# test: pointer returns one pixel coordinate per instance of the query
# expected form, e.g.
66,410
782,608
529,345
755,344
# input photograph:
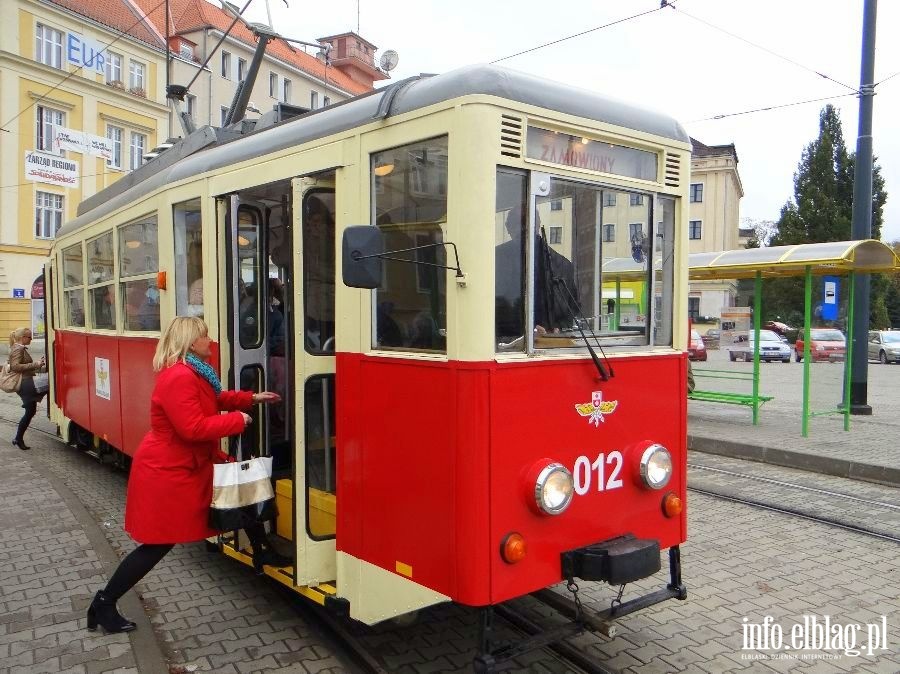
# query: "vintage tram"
473,409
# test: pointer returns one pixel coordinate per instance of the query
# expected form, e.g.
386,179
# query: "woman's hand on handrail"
266,397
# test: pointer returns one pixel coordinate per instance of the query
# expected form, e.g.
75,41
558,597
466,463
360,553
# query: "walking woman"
20,361
170,486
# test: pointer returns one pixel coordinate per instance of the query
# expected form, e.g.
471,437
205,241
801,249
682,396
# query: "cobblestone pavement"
211,613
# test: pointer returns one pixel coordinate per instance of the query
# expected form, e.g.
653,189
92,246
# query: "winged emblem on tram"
595,409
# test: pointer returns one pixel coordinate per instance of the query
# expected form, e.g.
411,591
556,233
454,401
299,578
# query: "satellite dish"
389,60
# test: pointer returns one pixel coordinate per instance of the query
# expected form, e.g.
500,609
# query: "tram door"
315,502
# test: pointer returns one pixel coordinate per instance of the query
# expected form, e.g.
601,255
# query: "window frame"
695,227
225,65
122,280
313,100
696,193
116,161
43,44
273,85
136,76
114,66
609,233
136,160
41,211
286,90
41,125
110,283
74,287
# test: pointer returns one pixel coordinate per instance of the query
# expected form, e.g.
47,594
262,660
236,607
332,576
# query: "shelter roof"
831,257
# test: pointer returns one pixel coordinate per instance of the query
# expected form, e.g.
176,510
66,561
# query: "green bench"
723,397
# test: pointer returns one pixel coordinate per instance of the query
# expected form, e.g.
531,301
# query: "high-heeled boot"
264,553
103,612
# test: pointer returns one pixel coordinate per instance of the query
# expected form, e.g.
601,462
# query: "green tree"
822,210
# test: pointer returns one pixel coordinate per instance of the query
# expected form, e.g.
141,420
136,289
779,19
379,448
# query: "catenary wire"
56,86
214,49
770,107
765,49
882,81
662,5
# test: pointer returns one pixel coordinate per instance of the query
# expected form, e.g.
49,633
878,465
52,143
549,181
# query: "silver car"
771,347
884,346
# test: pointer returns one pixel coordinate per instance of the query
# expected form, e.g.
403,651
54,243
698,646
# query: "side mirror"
362,248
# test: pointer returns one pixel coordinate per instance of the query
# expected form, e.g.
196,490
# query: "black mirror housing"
361,265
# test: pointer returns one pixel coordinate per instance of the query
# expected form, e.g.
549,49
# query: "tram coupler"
617,561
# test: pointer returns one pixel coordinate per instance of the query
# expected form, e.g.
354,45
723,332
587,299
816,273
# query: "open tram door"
280,323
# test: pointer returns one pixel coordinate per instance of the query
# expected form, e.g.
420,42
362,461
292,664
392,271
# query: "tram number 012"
588,473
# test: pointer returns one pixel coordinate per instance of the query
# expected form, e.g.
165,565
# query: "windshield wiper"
575,312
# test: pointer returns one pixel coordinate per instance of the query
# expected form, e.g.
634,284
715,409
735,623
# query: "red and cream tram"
472,408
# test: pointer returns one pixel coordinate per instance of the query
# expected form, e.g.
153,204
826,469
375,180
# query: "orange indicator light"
672,505
513,548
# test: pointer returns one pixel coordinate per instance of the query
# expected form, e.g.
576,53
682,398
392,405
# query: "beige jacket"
20,361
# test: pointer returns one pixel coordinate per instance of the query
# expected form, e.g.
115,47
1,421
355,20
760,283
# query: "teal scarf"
205,370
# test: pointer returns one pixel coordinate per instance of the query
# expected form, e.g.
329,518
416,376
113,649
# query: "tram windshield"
580,232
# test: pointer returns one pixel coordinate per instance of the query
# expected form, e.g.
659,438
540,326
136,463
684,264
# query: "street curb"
146,650
854,470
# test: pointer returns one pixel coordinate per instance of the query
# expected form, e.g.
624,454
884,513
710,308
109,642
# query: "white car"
771,347
884,346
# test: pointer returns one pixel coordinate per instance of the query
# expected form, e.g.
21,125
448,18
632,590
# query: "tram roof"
209,149
832,257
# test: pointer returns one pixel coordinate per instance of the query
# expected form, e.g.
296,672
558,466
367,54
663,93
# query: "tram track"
796,512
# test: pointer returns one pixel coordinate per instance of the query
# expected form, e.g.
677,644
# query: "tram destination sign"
593,155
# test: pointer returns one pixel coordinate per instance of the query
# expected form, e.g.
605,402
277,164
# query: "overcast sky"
667,60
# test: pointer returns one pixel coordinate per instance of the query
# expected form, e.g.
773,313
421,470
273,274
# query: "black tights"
30,411
144,557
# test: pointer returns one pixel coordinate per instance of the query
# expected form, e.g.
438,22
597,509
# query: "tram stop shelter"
833,258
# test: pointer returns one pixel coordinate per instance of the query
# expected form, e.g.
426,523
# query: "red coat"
170,486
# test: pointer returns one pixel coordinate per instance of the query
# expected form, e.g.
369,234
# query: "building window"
136,76
696,193
693,308
287,90
48,46
313,100
556,205
635,230
554,235
226,65
242,69
695,229
609,233
273,85
113,68
609,198
114,133
190,104
326,101
48,214
637,199
224,112
48,120
138,144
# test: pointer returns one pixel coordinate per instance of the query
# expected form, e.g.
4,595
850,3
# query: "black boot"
103,612
264,553
20,443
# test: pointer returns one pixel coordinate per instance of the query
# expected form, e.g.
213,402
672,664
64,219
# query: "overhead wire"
882,81
770,107
663,5
56,86
765,49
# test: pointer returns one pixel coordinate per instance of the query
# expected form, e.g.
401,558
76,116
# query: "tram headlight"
656,466
554,488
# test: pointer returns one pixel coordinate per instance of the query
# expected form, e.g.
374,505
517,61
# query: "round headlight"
656,466
554,489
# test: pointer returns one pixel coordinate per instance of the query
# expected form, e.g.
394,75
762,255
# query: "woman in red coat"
170,486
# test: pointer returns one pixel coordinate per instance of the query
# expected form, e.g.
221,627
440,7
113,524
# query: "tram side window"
138,265
73,285
318,270
509,259
101,282
664,285
188,258
410,207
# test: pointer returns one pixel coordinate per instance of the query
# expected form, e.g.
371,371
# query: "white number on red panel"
601,474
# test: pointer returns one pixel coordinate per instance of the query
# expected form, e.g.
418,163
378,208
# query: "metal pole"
861,227
807,351
757,310
849,355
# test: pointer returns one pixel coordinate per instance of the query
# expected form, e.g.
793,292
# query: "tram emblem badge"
595,409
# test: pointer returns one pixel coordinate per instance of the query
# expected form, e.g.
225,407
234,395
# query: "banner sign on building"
48,168
830,298
593,155
85,53
83,143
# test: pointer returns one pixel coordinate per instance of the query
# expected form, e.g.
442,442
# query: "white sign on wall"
86,53
102,378
83,143
48,168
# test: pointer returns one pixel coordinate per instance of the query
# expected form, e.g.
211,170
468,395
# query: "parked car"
884,346
825,344
771,347
696,347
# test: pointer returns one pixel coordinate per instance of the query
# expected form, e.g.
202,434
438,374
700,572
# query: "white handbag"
242,494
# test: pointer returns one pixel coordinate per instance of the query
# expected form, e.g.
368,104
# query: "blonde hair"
177,339
17,334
